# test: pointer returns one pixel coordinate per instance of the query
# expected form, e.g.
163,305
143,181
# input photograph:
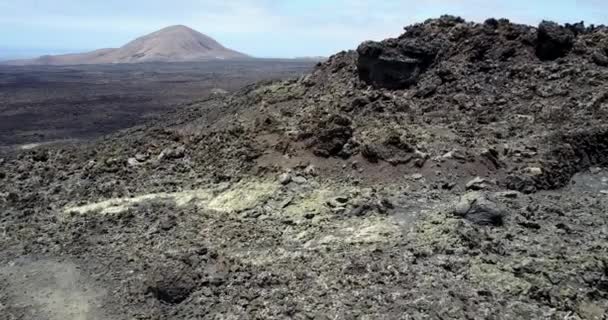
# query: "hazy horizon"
264,28
21,53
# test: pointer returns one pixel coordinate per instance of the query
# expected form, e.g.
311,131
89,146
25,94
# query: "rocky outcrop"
553,41
332,135
393,65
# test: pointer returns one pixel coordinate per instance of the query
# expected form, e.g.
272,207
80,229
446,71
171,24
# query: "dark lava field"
43,104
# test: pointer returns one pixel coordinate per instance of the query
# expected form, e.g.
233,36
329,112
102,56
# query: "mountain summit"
172,44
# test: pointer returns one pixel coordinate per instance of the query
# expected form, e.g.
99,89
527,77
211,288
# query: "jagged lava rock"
395,65
554,41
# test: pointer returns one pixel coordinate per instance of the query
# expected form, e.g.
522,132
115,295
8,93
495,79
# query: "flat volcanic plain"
41,104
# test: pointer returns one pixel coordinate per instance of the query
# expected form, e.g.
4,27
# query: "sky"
262,28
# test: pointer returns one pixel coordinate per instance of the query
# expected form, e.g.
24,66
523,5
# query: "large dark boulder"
553,41
393,66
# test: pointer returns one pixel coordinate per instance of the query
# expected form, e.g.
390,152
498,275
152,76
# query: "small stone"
386,204
339,210
420,162
477,184
449,155
299,180
178,152
172,153
311,171
285,178
286,202
337,202
604,191
132,162
360,210
309,215
508,194
530,225
421,155
141,157
448,186
167,223
417,176
535,171
359,102
111,161
454,154
370,153
492,156
595,170
477,208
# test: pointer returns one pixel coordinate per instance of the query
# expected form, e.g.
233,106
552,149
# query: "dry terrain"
457,171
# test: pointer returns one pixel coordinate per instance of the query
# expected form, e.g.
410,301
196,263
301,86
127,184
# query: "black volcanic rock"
554,41
395,66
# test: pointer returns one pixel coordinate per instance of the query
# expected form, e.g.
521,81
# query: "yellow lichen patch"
118,205
243,196
199,197
380,231
315,202
354,231
437,233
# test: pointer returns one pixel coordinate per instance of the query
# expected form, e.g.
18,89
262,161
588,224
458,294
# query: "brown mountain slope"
171,44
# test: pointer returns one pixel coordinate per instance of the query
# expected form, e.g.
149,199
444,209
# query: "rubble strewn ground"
467,185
